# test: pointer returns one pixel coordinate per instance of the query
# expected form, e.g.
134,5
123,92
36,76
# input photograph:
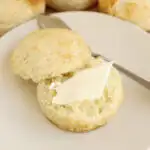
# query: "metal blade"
51,22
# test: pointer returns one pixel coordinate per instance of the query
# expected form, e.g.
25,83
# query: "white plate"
22,125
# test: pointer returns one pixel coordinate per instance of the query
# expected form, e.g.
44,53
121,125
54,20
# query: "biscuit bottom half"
86,115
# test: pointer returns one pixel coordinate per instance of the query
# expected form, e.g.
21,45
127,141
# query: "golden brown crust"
68,5
106,5
37,5
127,11
1,32
36,2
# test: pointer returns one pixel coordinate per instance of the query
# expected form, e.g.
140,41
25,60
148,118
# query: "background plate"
22,125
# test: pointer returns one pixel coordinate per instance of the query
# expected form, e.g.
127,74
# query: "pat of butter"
88,84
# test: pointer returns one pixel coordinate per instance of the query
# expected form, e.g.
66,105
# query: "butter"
87,84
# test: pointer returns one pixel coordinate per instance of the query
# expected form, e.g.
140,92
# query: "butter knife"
55,22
